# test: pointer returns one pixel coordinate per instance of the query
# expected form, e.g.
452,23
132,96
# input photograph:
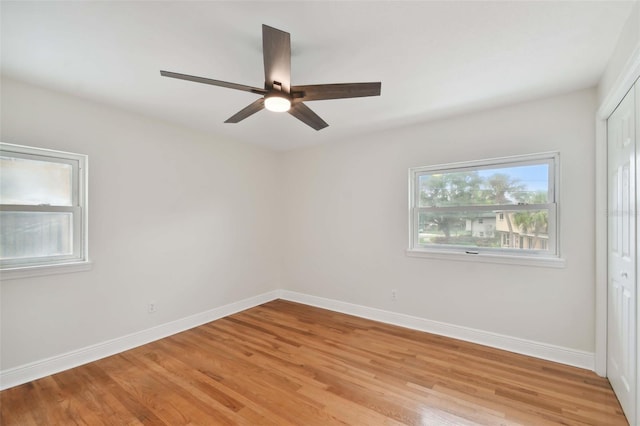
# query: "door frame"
625,81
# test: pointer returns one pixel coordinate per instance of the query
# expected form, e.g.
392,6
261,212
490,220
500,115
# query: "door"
621,292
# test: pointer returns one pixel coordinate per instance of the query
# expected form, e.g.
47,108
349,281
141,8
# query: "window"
515,197
43,215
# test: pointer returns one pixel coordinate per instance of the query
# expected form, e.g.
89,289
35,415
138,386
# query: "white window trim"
467,254
44,270
63,265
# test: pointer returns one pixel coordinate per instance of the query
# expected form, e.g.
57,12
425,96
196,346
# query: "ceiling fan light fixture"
277,103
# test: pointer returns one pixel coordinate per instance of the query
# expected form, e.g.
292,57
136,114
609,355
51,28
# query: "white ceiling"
434,58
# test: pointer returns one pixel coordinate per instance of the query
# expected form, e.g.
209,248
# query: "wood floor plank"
284,363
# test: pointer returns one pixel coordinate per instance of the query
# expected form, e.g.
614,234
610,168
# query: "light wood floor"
288,364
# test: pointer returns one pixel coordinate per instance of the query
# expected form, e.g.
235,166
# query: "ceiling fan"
278,93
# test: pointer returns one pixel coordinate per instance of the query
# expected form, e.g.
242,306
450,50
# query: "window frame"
38,265
551,257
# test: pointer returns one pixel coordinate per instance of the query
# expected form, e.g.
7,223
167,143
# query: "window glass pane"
35,234
33,182
496,185
521,229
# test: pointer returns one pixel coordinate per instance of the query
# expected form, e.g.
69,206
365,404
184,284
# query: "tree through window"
499,206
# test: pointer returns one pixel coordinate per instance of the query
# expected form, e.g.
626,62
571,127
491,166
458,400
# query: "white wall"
194,223
177,217
347,224
627,51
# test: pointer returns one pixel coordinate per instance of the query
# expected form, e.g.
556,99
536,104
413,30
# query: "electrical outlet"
152,307
394,294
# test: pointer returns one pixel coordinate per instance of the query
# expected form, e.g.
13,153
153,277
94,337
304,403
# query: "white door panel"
635,302
622,260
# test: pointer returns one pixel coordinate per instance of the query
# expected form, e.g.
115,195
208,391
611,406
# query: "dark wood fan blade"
276,50
251,109
213,82
307,116
316,92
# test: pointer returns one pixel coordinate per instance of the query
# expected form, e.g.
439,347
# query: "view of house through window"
498,206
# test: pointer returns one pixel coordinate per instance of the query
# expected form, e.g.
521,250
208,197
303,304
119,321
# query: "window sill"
538,261
43,270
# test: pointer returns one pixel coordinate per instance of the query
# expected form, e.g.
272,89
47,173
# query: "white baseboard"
42,368
546,351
